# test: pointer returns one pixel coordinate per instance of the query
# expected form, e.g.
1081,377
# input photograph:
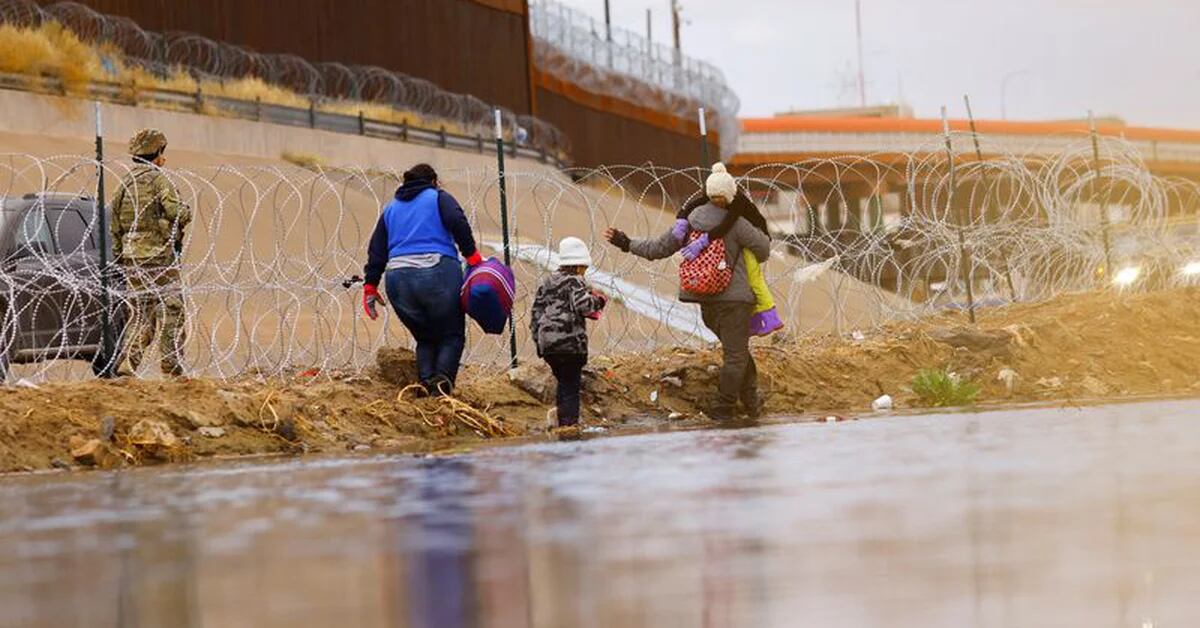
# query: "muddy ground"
1074,348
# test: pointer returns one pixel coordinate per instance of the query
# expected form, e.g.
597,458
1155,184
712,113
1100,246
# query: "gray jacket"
742,235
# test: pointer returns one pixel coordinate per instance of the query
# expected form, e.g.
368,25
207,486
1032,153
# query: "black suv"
51,304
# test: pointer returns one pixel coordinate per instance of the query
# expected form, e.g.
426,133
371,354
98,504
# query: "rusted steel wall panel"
608,138
475,47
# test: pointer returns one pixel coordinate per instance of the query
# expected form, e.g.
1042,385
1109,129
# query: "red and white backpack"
709,274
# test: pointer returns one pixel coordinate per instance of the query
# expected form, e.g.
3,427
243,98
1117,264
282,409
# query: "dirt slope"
1076,347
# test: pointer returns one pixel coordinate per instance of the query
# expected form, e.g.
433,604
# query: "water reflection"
1023,518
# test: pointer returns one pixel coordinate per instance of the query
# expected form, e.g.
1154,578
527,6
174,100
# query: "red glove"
475,259
370,298
603,302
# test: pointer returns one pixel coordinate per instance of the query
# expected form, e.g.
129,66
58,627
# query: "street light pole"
1004,91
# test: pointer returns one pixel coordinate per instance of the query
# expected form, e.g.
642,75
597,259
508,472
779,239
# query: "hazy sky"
1139,60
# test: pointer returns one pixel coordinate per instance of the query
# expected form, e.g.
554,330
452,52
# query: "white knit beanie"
573,252
720,183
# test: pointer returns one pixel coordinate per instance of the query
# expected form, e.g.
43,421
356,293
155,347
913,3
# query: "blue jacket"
420,219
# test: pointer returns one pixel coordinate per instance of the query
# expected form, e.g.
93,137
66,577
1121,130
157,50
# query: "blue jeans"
427,302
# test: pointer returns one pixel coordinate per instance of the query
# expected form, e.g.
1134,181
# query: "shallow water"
1077,517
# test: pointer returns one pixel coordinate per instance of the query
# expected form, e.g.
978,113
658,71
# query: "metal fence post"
1012,291
705,163
258,108
312,113
512,325
479,142
964,258
442,135
404,130
1103,198
199,100
362,123
106,343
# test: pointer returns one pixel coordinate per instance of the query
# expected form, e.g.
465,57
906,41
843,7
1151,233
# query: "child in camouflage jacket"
559,327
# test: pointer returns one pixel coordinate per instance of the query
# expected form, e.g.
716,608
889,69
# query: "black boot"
439,386
722,412
754,406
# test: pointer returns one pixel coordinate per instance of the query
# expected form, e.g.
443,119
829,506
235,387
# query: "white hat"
573,252
720,183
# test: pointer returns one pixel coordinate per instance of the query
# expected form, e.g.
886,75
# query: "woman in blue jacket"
414,243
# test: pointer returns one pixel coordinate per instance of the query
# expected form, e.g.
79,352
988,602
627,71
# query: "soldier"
147,234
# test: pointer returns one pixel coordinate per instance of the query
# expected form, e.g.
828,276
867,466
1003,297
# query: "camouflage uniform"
559,329
148,220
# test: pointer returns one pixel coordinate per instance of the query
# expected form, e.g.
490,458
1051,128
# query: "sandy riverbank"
1089,346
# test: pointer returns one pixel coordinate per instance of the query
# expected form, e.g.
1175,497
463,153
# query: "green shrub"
940,388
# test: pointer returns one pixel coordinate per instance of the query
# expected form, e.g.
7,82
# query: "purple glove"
680,230
693,250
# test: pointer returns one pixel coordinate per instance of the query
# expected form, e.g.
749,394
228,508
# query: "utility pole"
649,31
675,8
607,23
862,86
608,31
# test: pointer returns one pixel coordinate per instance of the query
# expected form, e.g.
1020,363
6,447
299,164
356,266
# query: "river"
1028,517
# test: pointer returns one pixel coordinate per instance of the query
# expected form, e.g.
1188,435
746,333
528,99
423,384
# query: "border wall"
484,48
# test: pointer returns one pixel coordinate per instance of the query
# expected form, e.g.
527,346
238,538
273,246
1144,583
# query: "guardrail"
311,117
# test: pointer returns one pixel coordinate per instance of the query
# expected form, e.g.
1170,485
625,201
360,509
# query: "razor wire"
573,46
268,261
120,39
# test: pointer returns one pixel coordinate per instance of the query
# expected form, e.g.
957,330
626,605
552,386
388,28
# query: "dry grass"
52,50
49,50
255,88
304,160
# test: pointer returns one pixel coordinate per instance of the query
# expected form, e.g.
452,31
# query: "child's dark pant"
568,370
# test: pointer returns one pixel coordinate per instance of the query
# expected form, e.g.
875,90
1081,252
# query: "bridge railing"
841,143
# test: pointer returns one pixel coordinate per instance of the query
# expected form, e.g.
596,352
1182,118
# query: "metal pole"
705,163
675,30
1012,292
512,326
1103,197
649,33
106,343
608,31
964,259
862,87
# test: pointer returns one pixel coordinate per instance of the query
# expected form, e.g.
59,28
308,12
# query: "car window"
34,233
70,230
